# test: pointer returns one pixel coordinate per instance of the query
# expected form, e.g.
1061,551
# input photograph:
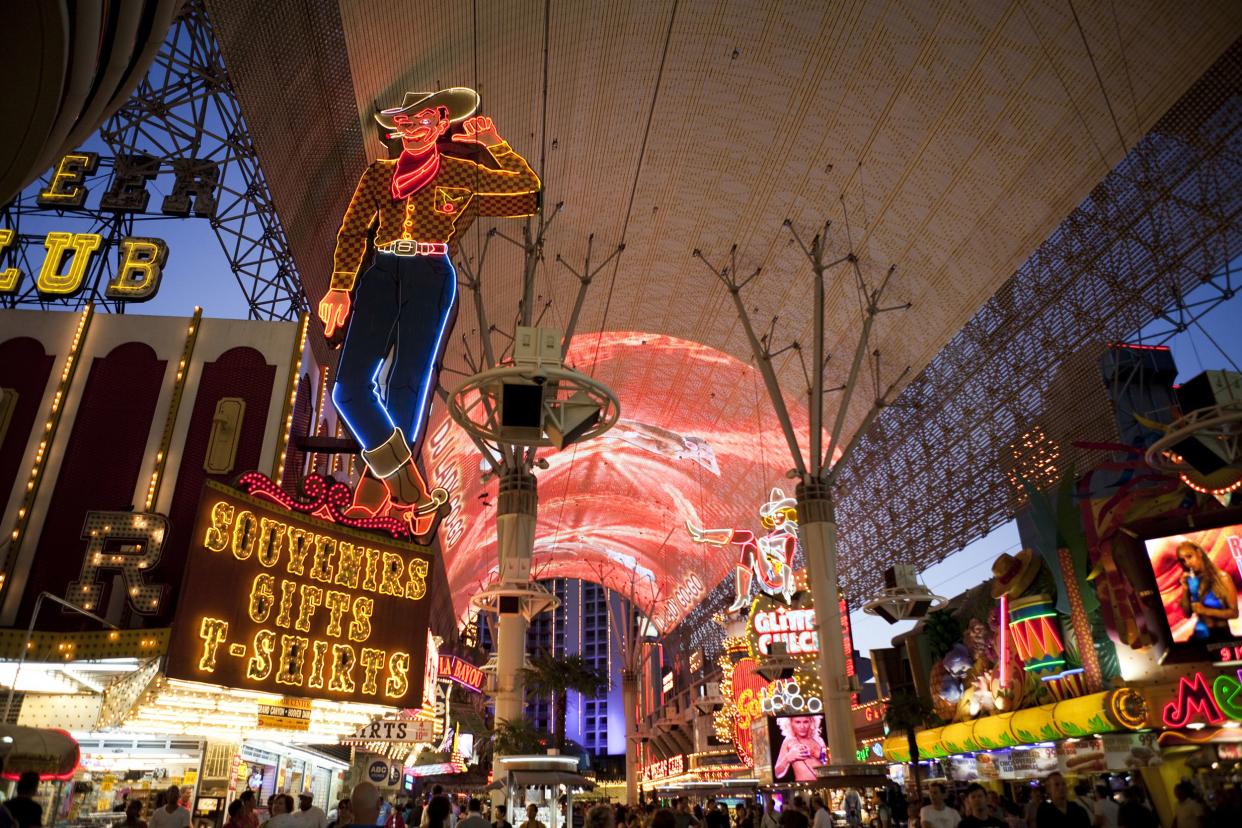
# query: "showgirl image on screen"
802,748
1198,577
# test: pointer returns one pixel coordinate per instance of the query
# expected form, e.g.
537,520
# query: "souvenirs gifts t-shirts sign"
282,602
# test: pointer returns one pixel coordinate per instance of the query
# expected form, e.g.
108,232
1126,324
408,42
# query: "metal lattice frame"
185,108
931,475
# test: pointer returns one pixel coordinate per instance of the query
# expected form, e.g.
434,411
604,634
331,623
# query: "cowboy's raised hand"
478,130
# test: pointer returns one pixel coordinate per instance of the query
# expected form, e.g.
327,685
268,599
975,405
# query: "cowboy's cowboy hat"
1013,574
777,501
460,102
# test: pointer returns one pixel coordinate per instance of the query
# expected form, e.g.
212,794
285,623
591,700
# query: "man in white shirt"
282,813
823,819
310,815
171,814
1106,809
937,814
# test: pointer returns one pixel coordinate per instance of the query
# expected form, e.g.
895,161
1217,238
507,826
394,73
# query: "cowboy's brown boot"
392,463
370,498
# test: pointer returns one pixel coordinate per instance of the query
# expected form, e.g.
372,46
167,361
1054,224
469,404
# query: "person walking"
172,814
21,806
978,813
474,815
822,817
938,814
1106,809
532,813
1134,812
1059,811
309,815
1190,811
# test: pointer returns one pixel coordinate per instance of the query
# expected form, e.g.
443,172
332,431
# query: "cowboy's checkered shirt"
439,212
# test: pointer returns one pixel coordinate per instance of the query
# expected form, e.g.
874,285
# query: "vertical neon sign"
1004,642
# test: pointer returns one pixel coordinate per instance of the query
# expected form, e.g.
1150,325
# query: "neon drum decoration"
1035,630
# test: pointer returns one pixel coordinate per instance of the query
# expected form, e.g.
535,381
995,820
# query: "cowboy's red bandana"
413,172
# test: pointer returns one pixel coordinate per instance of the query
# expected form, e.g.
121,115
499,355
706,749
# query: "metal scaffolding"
184,113
1149,250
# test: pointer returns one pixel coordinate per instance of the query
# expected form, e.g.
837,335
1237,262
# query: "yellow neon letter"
343,660
337,603
271,539
285,617
372,661
260,666
360,627
292,657
318,648
10,277
261,597
142,265
300,543
348,564
81,246
321,564
312,599
217,533
398,675
213,631
416,587
65,189
245,534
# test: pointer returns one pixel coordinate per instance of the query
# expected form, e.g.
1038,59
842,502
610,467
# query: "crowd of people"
1052,804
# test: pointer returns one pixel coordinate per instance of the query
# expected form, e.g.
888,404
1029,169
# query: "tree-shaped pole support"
474,404
816,473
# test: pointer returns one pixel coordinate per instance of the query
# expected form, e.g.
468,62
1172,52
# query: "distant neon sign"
461,672
664,768
1196,701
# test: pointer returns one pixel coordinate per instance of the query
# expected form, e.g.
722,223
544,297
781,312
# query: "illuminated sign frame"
323,611
462,672
1196,702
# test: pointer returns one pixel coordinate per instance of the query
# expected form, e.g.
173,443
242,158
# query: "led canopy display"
697,443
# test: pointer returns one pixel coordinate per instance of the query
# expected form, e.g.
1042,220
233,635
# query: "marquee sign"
1198,702
460,671
664,768
794,627
289,604
141,259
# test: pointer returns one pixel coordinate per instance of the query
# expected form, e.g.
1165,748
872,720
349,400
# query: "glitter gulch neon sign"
1196,701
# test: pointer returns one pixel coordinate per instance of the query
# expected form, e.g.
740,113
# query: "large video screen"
697,443
798,746
1198,575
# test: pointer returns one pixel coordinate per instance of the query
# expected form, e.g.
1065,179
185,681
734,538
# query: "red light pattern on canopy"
613,510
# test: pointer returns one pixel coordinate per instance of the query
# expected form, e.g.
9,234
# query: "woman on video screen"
803,750
1207,593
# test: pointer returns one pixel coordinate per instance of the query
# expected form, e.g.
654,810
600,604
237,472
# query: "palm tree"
516,738
907,711
552,678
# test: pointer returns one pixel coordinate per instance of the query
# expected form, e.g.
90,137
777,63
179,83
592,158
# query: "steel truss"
184,109
1149,249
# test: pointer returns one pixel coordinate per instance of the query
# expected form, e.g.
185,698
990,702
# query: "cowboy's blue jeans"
404,306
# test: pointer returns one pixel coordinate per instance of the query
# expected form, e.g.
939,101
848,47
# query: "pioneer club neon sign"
69,255
1197,702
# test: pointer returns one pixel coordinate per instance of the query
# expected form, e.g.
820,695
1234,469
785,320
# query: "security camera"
539,376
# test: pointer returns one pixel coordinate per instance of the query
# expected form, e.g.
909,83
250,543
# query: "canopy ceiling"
950,137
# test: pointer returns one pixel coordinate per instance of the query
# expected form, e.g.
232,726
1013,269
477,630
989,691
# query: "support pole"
817,523
629,698
515,526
